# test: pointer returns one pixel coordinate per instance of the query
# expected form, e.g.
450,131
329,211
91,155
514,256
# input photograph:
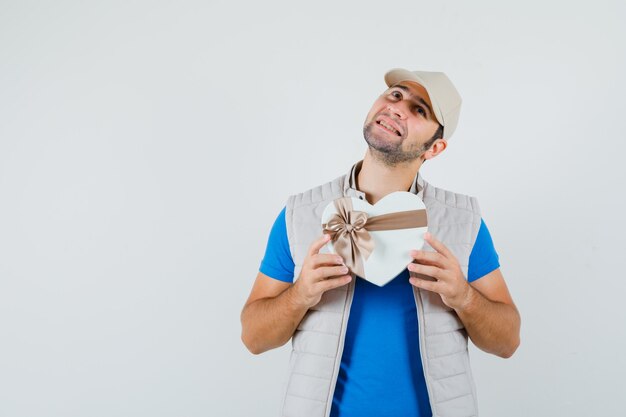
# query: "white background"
146,148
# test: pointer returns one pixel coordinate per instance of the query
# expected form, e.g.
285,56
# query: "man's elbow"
252,347
245,336
255,345
514,342
248,342
510,350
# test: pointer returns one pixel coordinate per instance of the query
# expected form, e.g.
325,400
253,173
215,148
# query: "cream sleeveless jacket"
317,343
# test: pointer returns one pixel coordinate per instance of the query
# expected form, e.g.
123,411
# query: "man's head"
413,118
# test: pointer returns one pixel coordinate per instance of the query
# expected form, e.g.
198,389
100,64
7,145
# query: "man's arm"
485,306
271,314
274,308
490,316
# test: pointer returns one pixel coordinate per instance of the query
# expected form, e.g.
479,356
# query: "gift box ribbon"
349,230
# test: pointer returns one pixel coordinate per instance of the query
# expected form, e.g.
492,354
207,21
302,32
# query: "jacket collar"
350,190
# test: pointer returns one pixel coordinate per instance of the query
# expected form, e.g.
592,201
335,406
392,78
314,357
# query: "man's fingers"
437,245
431,271
324,272
318,244
334,282
429,258
425,284
325,259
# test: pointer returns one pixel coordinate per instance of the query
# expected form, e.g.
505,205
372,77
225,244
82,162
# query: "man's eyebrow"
415,98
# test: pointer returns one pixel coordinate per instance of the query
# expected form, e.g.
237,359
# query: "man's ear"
436,148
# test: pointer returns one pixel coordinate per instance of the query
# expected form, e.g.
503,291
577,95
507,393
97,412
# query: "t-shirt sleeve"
277,262
483,258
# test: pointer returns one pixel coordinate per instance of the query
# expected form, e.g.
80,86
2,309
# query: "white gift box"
390,255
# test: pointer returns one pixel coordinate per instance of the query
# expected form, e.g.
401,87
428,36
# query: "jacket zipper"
420,319
342,337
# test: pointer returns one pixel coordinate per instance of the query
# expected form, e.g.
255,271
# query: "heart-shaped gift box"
375,240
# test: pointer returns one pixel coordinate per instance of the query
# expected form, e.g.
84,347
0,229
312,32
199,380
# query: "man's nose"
395,110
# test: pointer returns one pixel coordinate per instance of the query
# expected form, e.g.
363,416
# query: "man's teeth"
385,125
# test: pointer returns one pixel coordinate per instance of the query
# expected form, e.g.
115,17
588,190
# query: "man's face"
400,122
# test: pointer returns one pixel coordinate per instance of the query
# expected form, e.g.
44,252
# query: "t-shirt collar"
417,185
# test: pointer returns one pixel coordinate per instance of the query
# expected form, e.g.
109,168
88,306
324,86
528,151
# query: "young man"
399,350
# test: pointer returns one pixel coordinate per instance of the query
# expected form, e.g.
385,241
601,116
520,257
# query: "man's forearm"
493,326
268,323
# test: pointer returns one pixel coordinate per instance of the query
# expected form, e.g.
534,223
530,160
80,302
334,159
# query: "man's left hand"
442,265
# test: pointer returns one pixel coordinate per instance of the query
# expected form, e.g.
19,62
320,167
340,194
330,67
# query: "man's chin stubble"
386,152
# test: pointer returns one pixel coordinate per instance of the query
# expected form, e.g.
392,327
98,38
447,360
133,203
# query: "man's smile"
388,125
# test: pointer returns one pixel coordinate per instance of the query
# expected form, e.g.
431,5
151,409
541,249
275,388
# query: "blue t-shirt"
381,370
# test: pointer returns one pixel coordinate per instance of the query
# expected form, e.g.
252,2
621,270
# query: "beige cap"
444,97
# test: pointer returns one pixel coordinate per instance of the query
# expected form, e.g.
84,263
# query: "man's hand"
320,272
442,265
485,307
274,309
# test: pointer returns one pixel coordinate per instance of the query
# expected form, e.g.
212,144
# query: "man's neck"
376,179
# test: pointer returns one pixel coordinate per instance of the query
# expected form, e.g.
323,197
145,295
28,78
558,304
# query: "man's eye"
396,94
418,109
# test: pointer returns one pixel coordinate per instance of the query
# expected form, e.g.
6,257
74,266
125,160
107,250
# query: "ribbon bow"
350,238
349,228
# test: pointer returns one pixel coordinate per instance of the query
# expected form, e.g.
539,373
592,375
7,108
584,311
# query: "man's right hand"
320,272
